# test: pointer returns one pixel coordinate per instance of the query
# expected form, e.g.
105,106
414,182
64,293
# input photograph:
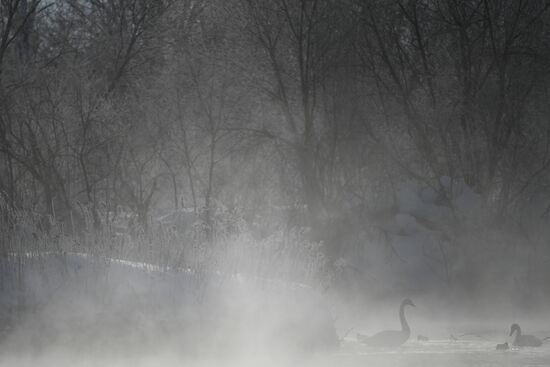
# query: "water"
437,353
444,353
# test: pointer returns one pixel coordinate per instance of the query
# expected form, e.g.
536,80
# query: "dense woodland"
279,119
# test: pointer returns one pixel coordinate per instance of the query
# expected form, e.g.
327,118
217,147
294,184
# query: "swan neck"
404,324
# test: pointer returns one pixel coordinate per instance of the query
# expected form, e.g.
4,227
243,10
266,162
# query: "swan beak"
412,304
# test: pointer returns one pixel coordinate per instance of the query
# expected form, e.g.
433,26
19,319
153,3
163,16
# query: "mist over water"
89,311
274,183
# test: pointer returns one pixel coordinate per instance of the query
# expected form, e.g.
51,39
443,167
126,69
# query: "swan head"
515,327
408,302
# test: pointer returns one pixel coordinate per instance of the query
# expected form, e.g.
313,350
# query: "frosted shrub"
283,256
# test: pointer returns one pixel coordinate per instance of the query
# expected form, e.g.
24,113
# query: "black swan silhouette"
524,340
391,338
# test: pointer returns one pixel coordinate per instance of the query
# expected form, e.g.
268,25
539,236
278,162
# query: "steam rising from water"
119,314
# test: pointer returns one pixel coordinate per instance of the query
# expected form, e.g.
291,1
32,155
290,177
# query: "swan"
391,338
503,346
524,340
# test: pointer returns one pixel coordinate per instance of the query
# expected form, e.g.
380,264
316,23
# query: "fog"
89,310
274,183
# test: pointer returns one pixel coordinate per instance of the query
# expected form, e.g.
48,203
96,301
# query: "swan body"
503,346
524,340
391,338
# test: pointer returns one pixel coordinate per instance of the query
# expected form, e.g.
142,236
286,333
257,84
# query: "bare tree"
300,41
